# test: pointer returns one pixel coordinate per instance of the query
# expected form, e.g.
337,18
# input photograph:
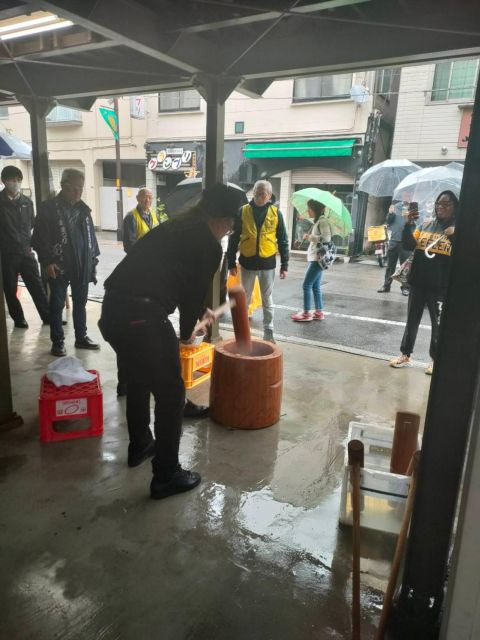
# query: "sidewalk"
254,553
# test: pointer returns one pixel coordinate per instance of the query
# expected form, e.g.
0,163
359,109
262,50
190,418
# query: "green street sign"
111,119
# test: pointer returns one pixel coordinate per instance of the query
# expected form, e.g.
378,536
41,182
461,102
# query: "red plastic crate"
83,400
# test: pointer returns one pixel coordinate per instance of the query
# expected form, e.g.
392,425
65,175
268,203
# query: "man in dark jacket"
64,238
260,232
396,252
180,257
16,224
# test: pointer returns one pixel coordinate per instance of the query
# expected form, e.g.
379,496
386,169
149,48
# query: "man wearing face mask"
16,223
64,238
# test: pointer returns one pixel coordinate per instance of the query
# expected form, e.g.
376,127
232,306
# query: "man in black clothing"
180,258
16,224
64,238
259,233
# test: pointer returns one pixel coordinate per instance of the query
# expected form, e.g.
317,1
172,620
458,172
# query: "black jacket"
16,224
430,274
173,265
256,263
50,238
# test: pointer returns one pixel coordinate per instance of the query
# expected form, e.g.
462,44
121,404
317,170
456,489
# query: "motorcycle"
379,236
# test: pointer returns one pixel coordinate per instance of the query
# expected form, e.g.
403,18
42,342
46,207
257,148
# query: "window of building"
455,80
240,127
383,82
188,100
3,112
322,87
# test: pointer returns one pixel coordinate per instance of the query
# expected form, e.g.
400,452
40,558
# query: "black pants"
58,291
146,343
27,267
416,304
395,253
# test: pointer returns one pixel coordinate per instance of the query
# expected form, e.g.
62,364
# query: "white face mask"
12,186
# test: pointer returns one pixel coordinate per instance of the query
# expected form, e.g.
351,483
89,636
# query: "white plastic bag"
67,371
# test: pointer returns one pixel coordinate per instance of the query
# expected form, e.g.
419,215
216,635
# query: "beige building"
302,132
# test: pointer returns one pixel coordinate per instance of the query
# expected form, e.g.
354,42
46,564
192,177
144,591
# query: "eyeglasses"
444,205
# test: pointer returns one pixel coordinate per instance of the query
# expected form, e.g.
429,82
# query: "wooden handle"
240,320
405,441
355,460
203,324
397,558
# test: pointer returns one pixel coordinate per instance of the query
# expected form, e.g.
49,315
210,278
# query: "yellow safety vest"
141,226
267,243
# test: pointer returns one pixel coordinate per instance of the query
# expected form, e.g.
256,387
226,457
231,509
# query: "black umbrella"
187,193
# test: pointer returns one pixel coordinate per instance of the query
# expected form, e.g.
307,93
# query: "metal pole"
451,406
118,176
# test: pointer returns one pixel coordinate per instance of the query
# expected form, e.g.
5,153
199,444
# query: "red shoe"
318,315
302,316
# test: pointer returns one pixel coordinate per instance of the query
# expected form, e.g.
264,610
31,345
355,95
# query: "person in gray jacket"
396,252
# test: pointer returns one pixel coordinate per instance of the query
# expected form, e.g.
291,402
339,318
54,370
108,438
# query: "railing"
64,115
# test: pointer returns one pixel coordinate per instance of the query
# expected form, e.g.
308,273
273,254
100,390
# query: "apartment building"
435,106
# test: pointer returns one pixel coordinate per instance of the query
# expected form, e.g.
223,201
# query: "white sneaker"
400,362
429,369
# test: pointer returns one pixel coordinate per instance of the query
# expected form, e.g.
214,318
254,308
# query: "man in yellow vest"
259,233
140,220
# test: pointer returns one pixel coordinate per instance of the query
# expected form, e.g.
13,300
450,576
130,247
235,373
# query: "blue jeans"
58,292
313,278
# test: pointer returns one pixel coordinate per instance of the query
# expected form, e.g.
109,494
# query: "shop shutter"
320,175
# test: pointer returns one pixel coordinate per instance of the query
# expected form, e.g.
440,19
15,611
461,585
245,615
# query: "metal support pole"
451,406
38,109
8,417
215,91
118,177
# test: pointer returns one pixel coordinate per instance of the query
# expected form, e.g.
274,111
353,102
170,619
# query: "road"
357,319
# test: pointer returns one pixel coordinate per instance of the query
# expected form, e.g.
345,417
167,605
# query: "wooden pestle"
240,320
355,460
405,441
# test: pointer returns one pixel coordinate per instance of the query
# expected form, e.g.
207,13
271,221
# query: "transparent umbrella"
381,179
425,186
336,212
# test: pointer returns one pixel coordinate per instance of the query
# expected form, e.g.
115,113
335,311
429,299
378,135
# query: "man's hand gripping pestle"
215,315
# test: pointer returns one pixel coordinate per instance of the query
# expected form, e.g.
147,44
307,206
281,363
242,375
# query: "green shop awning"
299,149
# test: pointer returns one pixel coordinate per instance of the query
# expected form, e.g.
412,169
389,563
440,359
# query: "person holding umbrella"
396,223
428,278
320,233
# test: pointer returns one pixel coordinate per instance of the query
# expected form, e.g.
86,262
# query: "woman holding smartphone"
428,275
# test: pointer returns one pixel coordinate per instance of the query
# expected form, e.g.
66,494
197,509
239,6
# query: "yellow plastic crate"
377,234
196,364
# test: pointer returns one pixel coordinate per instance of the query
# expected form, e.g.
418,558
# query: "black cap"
222,201
11,171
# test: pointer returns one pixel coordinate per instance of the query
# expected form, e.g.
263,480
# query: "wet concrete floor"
255,553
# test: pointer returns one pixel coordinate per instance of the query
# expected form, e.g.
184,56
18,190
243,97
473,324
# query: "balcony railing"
64,116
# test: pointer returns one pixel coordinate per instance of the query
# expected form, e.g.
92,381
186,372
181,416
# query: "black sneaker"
181,481
21,324
134,459
86,343
192,410
58,349
384,290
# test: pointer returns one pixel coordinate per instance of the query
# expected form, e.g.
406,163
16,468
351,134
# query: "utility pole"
361,199
118,175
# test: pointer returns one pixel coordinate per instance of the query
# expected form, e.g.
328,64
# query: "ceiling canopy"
80,49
